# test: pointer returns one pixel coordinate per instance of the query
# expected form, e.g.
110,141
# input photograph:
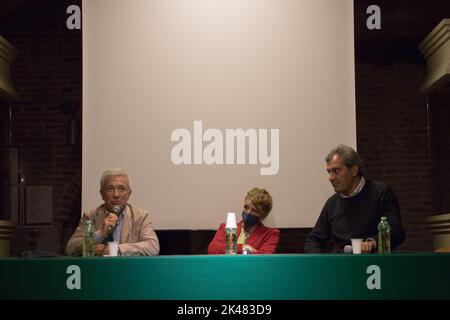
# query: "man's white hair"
114,172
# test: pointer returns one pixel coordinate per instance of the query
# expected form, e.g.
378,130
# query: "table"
224,277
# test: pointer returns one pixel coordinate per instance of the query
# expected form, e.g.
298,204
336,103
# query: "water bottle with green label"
88,239
384,236
230,234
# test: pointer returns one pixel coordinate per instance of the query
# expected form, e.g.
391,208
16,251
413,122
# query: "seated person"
356,208
117,220
253,236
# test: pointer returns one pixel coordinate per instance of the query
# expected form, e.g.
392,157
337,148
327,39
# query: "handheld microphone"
116,211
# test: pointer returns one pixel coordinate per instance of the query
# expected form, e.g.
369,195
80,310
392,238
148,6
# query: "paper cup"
356,245
231,220
113,248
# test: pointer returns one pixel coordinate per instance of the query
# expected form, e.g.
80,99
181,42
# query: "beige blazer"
137,236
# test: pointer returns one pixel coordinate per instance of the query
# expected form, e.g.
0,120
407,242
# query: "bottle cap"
348,249
231,220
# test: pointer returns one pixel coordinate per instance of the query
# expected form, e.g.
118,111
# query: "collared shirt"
119,224
357,189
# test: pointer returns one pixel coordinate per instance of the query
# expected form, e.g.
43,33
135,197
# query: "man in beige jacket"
117,220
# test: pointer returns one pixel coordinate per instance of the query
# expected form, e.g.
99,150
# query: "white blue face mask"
249,219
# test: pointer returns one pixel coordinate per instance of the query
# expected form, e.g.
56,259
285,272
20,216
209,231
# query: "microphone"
116,211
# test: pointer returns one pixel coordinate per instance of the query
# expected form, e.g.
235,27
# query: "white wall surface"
151,67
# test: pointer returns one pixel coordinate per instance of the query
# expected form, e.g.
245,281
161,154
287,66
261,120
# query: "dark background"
402,135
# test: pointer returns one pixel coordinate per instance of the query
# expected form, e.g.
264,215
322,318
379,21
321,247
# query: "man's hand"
110,220
101,249
367,246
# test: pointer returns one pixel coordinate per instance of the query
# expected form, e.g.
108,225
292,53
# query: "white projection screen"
201,100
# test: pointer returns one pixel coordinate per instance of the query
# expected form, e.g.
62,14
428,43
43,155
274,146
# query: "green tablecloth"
254,277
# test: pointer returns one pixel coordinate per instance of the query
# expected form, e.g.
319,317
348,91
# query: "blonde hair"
262,200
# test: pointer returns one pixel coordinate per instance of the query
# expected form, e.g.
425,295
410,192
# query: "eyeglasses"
120,189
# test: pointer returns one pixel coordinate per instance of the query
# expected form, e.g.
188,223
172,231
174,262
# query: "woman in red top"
253,236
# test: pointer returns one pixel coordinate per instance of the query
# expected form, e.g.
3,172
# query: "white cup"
356,245
113,248
231,220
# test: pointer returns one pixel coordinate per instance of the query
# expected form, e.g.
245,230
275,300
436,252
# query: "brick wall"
46,118
439,106
393,140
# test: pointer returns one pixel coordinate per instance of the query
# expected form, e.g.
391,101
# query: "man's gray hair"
349,156
114,172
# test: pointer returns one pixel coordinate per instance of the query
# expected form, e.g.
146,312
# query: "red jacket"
263,239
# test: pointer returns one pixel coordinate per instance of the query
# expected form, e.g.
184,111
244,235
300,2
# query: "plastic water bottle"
88,240
384,236
231,234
